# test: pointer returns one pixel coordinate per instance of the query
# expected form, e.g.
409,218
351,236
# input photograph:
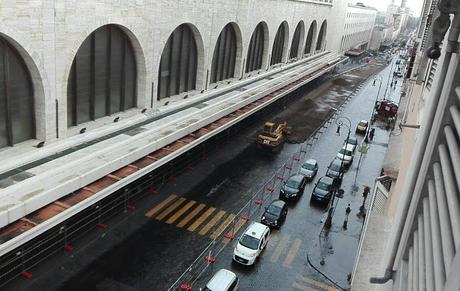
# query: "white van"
251,243
223,280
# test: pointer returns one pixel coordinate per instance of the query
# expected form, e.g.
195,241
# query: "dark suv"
323,189
275,214
293,188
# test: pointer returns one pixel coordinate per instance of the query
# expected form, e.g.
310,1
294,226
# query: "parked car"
293,188
346,154
362,126
251,243
309,169
351,141
223,280
335,170
323,189
275,214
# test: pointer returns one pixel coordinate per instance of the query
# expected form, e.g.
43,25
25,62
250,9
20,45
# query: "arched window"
178,65
103,76
256,49
310,38
320,45
295,45
17,120
223,60
278,44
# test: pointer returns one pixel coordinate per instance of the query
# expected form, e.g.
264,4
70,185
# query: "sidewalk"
333,252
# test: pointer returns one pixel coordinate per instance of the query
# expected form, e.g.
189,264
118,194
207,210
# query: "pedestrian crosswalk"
282,249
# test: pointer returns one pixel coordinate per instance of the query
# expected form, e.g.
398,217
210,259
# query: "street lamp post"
380,79
340,121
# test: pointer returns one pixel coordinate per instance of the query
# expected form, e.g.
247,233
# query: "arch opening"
256,48
103,76
17,117
296,43
321,44
179,63
279,44
310,38
225,55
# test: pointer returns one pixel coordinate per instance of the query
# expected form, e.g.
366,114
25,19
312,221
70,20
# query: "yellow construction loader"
272,137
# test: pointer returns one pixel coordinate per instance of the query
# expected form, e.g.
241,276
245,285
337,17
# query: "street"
150,247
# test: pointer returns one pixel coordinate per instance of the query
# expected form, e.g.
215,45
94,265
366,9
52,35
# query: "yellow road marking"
201,219
191,215
316,283
162,204
211,223
279,249
292,253
238,225
179,213
170,209
222,227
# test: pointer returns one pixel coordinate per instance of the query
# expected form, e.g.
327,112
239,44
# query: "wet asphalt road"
142,253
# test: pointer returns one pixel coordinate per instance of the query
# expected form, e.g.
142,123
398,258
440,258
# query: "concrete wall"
48,34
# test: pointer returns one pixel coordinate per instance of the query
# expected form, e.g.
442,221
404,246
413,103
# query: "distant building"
359,22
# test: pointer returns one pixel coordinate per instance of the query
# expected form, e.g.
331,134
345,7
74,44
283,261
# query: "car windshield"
308,166
274,210
249,241
292,183
323,186
362,123
335,167
352,141
345,152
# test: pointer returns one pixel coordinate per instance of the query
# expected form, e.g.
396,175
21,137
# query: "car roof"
279,203
351,138
349,147
296,177
336,161
256,229
311,161
326,179
220,279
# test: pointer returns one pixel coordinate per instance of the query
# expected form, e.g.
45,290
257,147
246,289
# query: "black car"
275,214
335,170
293,188
323,189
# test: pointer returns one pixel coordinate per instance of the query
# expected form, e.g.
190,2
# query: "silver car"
309,169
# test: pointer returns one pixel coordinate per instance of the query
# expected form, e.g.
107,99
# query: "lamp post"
340,121
380,79
343,121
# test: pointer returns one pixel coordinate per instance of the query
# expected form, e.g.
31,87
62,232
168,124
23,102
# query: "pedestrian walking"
345,221
371,134
338,130
396,82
